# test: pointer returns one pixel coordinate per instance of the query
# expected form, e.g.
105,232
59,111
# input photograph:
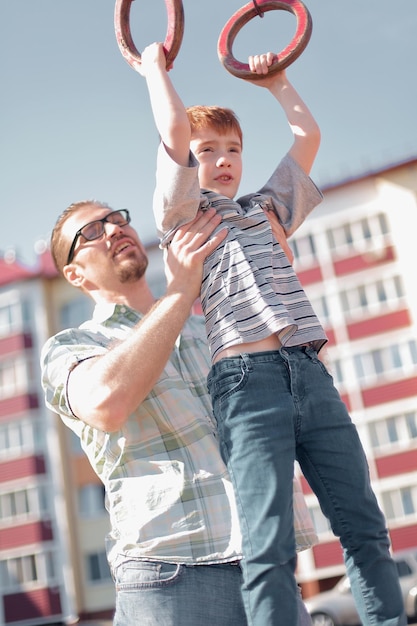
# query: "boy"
272,397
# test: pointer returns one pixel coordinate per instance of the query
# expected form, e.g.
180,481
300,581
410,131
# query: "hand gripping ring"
285,57
173,38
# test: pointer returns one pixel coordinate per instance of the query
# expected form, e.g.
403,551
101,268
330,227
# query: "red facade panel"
32,605
15,343
380,324
331,336
363,261
18,404
15,536
21,468
406,388
327,554
400,463
346,400
312,275
404,537
305,487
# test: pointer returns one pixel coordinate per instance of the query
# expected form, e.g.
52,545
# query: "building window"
304,248
375,365
30,501
400,502
25,570
20,437
158,285
320,521
75,312
91,500
396,430
411,421
16,375
321,309
371,365
360,234
98,567
336,370
370,298
14,504
413,351
74,443
13,315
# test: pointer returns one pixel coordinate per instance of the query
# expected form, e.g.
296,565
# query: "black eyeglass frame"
103,220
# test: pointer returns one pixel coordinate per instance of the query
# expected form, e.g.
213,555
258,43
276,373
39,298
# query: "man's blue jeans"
164,594
272,408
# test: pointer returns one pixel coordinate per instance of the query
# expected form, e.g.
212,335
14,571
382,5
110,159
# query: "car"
411,602
336,607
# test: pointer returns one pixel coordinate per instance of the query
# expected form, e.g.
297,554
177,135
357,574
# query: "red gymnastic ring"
244,15
173,38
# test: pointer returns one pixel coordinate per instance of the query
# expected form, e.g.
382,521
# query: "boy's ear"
73,274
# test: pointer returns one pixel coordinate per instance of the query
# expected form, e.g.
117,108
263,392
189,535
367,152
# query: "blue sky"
76,122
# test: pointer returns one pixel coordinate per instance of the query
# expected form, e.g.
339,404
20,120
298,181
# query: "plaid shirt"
168,492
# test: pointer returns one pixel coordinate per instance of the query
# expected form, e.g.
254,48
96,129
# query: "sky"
76,122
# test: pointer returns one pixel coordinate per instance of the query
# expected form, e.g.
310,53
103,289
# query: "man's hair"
59,248
219,118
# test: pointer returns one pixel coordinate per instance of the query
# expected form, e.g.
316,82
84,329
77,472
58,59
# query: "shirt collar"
104,310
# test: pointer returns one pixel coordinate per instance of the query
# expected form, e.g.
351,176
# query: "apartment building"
53,567
355,256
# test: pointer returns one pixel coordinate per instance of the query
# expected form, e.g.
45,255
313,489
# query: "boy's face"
220,159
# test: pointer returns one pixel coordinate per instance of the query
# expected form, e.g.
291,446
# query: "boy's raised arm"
304,127
168,110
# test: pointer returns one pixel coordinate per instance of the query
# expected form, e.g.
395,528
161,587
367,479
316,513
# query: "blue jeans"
164,594
273,408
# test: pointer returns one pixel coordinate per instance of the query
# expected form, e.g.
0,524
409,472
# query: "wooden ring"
285,57
173,37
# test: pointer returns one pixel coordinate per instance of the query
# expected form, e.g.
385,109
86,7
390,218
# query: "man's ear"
73,274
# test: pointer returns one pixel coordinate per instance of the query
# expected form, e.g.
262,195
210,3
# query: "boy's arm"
304,127
168,110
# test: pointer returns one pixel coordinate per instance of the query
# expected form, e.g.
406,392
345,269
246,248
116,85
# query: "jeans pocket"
134,574
225,382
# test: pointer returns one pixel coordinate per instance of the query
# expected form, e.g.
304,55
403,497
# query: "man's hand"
191,244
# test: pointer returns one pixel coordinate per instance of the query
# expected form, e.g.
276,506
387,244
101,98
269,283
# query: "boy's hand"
153,55
259,64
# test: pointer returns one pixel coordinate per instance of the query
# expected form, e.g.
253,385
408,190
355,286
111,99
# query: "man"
131,383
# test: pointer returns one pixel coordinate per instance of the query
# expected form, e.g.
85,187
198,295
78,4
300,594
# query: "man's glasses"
94,230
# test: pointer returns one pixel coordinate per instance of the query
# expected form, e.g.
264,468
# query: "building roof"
12,270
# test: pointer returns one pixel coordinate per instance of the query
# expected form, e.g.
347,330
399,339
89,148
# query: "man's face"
220,159
117,256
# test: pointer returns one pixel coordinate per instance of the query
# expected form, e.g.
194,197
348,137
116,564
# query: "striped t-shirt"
249,289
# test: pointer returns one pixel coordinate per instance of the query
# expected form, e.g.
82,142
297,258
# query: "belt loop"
311,352
247,363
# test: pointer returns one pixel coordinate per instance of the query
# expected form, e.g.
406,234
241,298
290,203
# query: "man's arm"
304,127
103,391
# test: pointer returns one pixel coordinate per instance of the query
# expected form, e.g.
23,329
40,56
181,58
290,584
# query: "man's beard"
132,269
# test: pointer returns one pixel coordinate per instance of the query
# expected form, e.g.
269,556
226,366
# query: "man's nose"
112,229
